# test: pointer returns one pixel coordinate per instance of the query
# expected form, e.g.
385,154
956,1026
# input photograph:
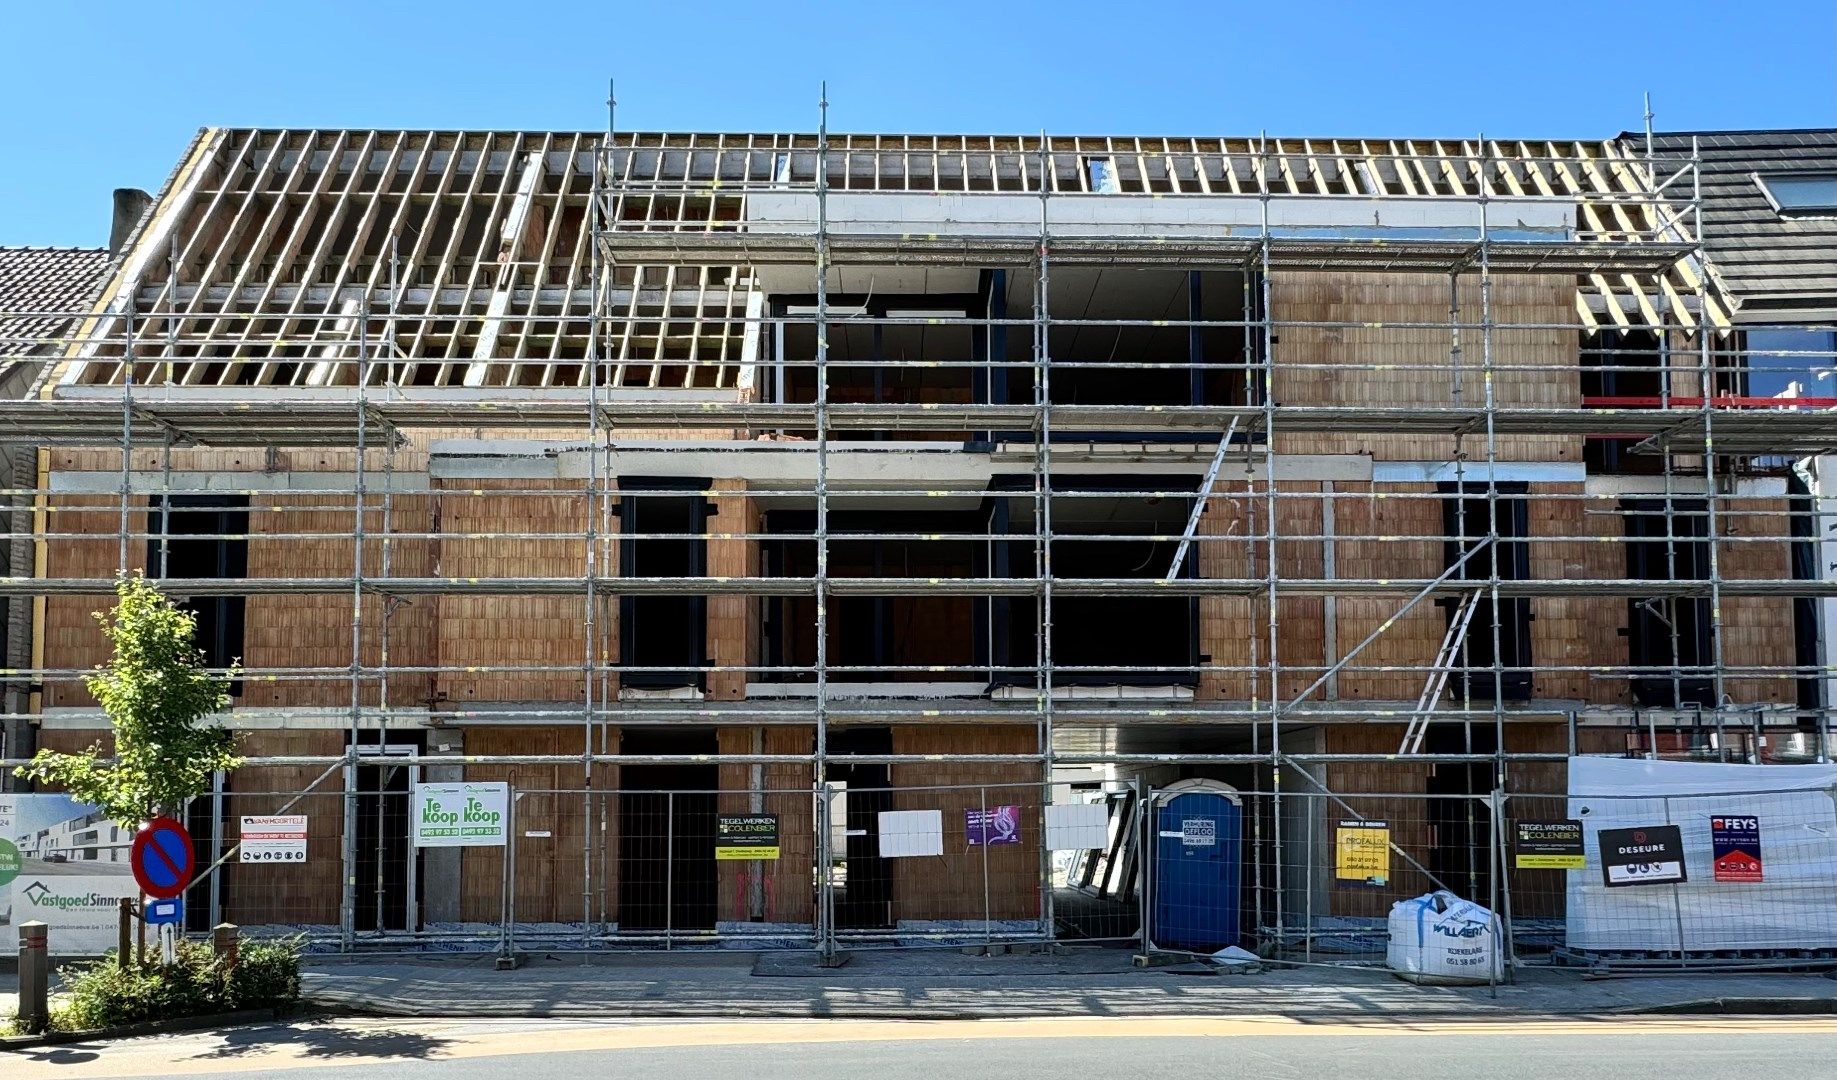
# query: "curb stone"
144,1027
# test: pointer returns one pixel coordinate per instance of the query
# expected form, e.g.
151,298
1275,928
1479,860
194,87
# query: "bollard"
223,941
124,933
34,977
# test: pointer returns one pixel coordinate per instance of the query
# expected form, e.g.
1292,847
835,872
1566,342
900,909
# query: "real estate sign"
460,815
79,910
65,865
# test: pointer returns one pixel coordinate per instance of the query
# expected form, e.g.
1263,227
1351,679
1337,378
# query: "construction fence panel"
281,867
1097,872
1307,878
919,866
1720,880
661,869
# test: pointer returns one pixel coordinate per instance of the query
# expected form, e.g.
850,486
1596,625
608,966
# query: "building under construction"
670,477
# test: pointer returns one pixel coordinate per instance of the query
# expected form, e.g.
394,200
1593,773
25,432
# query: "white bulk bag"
1440,938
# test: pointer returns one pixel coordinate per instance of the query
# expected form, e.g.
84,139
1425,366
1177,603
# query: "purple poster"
995,825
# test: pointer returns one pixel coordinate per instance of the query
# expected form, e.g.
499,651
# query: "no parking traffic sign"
162,858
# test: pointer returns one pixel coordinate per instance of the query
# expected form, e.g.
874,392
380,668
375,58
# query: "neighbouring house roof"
42,291
1769,267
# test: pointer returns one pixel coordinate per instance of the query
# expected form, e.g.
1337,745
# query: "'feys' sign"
1735,842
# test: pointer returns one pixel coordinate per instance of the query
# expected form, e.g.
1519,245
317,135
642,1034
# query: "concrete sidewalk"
948,985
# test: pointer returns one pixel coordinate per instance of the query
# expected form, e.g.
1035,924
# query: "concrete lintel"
989,214
1478,472
935,465
281,397
77,718
232,483
1653,487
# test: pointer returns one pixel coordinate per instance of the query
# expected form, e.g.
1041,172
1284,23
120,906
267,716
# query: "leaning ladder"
1418,728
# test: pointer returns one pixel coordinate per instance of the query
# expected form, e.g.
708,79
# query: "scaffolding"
598,295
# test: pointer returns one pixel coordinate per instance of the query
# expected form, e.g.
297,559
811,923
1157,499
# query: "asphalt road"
1618,1048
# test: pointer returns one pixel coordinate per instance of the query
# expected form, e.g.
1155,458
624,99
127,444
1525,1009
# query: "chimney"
130,206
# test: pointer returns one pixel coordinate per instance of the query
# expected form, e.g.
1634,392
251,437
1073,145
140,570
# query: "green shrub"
102,994
267,974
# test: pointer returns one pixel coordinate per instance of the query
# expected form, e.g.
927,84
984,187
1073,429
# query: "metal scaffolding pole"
1042,512
826,887
591,664
1272,531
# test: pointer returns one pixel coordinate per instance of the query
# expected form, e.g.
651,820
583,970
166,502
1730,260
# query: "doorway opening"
863,881
667,877
384,791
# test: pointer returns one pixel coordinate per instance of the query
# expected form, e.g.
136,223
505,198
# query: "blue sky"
101,94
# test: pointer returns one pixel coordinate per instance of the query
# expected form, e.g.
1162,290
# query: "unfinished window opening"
889,349
204,536
1622,369
1468,518
872,639
1116,350
1791,363
1668,635
1101,640
662,638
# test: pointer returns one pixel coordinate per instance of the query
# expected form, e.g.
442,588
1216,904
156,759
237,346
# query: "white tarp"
1793,906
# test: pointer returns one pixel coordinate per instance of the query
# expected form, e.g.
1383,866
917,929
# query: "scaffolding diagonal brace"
1426,590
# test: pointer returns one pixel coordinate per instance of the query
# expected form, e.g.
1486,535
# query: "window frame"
1764,181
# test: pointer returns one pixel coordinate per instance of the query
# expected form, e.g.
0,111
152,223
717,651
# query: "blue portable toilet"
1198,847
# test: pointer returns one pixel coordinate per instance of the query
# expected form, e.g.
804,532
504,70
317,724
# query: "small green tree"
154,690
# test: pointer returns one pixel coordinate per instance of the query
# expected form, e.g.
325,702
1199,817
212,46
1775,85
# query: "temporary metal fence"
1309,872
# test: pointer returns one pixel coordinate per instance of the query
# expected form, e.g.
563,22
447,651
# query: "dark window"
1621,369
662,638
1125,536
1465,516
1121,343
860,794
902,349
204,536
943,638
1664,632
